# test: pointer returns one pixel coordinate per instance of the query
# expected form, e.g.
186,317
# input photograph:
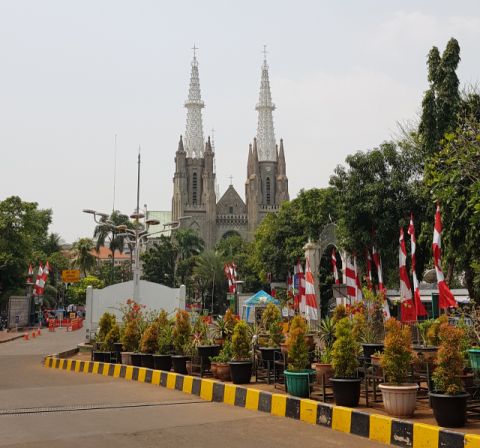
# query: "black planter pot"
370,349
208,350
179,364
147,360
107,357
346,392
162,362
97,356
241,371
268,353
137,359
118,347
450,410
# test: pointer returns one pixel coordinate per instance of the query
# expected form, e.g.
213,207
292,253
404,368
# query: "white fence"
153,295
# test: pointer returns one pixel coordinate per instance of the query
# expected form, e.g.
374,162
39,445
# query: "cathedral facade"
195,191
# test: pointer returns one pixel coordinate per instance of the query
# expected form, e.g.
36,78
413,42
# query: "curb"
371,426
65,354
12,338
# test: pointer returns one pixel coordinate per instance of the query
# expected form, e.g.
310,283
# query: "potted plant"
105,324
241,364
326,334
324,366
220,331
399,397
149,345
230,322
205,347
181,338
376,363
130,343
111,343
192,364
449,401
297,376
162,360
345,384
273,345
222,360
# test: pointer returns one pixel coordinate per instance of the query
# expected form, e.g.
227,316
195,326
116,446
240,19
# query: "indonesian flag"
46,271
30,273
39,284
419,308
232,278
235,276
310,299
369,270
335,272
227,272
408,310
358,286
351,283
445,296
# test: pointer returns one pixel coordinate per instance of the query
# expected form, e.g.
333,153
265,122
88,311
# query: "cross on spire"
264,52
231,179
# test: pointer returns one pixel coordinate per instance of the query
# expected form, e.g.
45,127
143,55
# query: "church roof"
230,194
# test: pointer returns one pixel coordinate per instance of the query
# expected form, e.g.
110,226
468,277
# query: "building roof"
106,254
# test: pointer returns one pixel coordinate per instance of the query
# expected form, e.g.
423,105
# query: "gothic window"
230,210
194,195
268,190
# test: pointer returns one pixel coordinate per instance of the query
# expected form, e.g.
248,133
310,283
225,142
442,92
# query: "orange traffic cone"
26,335
33,333
38,332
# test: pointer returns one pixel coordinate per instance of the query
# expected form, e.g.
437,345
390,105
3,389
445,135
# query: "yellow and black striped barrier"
375,427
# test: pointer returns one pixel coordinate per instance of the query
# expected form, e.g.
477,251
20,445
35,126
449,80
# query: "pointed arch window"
194,188
268,190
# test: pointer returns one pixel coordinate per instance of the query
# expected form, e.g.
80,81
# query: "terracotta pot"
127,358
214,370
325,369
310,342
284,348
223,372
220,342
399,401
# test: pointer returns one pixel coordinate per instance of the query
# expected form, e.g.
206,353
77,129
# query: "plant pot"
474,354
179,364
127,358
241,371
377,368
137,359
346,392
298,384
370,349
325,369
263,338
97,356
284,348
147,360
467,379
450,410
223,372
310,342
208,350
107,357
268,353
214,370
220,342
399,401
162,362
118,347
425,354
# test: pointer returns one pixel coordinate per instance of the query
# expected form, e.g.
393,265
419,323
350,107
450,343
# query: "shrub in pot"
345,384
220,331
112,338
274,342
324,366
162,360
181,338
449,401
149,345
399,397
130,341
230,322
222,360
241,364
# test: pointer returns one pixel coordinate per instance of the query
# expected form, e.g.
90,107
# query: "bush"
112,337
181,331
226,354
276,334
397,353
230,320
240,347
270,315
162,320
165,340
339,312
131,337
345,349
297,346
105,324
149,340
433,333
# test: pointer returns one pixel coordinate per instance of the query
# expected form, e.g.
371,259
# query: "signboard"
296,285
18,307
17,320
72,315
40,315
70,276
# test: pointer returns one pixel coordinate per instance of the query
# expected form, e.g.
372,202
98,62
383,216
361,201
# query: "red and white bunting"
39,284
30,273
310,299
235,277
335,271
369,269
301,287
351,283
227,272
46,271
406,298
419,308
445,296
232,278
358,285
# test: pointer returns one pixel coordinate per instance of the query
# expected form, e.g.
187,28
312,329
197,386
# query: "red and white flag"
369,269
419,308
445,296
335,271
351,283
310,299
300,302
406,298
235,276
30,273
232,278
39,284
46,271
227,272
358,285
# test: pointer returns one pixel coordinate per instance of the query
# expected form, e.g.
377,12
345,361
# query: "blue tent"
261,298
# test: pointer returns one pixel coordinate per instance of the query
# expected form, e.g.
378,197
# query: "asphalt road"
42,407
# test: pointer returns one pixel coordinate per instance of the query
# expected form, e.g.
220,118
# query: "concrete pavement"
40,407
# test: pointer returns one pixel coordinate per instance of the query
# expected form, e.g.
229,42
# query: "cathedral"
195,191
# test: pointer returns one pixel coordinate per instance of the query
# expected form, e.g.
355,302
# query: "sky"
75,74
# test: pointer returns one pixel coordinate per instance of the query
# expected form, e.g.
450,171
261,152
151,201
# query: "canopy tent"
260,299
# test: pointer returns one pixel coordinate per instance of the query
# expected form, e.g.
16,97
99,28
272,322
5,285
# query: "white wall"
153,295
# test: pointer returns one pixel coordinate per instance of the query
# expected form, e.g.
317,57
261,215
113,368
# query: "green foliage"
240,347
345,349
297,346
276,334
449,362
181,331
226,354
339,312
50,296
270,315
77,292
326,358
220,329
53,244
105,324
82,256
397,353
163,320
423,330
189,243
433,332
121,273
159,262
164,339
326,334
112,337
131,337
149,339
230,321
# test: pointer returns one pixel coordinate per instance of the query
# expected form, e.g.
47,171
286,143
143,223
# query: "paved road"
134,414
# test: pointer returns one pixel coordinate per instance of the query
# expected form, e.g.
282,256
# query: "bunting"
39,284
310,299
406,299
335,272
369,270
419,308
351,282
227,272
30,274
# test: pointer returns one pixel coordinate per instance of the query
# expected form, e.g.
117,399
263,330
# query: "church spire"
282,167
194,140
265,107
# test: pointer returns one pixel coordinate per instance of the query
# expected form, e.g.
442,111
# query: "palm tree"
53,244
83,258
102,232
189,243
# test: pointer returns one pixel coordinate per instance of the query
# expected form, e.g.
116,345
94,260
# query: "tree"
188,242
103,271
76,293
83,259
53,244
159,262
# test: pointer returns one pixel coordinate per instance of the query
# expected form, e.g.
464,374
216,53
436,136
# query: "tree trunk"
451,266
469,281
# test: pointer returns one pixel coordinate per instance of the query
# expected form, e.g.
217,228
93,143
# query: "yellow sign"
70,276
72,315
